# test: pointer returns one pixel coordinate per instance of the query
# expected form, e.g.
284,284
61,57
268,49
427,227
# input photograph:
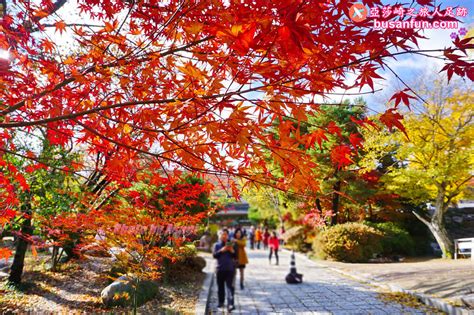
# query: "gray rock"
5,264
121,292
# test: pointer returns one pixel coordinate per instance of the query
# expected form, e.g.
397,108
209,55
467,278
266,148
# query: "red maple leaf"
334,129
364,122
60,26
341,156
367,75
316,137
356,140
7,215
391,119
402,96
5,253
244,39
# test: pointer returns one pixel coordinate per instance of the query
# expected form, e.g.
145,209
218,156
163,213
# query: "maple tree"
189,85
342,190
152,221
337,155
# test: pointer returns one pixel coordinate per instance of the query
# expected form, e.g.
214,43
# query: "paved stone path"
322,291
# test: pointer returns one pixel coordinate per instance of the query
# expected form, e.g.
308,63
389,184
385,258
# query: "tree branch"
421,218
91,69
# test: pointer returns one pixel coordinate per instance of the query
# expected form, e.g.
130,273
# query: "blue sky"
412,68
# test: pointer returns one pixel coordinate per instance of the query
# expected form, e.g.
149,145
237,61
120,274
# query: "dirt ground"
76,290
446,279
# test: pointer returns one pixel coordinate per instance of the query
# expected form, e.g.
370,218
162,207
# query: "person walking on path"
266,237
242,259
282,232
258,237
252,237
274,244
225,252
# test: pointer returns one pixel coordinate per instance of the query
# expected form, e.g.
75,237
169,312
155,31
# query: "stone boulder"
121,292
5,265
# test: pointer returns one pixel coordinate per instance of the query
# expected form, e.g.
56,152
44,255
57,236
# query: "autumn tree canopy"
190,85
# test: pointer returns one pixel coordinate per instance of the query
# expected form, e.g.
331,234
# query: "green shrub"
296,238
396,240
184,263
188,250
196,263
213,229
349,242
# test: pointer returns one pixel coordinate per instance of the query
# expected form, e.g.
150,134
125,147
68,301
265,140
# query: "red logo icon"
358,12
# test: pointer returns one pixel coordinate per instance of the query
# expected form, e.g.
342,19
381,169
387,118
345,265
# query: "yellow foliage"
437,153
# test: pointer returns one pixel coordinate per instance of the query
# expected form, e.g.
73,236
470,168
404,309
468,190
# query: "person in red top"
274,244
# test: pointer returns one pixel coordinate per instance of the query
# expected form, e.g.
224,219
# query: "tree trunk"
21,247
335,202
443,240
319,207
436,223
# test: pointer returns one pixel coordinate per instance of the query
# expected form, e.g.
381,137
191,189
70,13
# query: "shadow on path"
322,291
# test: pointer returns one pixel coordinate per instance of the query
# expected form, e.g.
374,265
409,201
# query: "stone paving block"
300,309
248,310
322,291
265,308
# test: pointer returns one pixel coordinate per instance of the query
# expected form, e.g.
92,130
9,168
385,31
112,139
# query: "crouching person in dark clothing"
225,253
